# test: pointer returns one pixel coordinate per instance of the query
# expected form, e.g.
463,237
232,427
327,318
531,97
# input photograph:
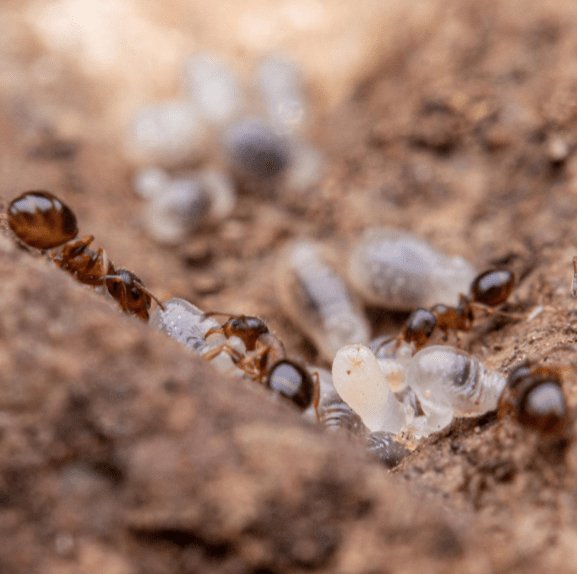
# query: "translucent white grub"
280,85
187,324
150,181
360,382
399,271
449,382
305,169
317,300
256,150
185,203
213,88
169,134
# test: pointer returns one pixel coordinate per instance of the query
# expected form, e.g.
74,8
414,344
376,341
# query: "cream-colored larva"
362,384
397,270
317,299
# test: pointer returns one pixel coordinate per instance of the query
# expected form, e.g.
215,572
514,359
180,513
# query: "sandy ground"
456,120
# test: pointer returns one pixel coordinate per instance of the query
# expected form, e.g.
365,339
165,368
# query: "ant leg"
316,394
235,355
492,311
213,330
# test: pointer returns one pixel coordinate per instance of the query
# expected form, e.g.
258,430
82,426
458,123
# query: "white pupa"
361,383
397,270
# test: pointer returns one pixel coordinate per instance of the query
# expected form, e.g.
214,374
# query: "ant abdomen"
396,270
41,220
534,396
493,287
292,382
318,301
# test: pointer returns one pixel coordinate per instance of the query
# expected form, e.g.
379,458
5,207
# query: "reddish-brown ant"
41,220
534,396
487,291
264,359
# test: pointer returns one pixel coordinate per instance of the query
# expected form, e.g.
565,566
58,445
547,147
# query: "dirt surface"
121,453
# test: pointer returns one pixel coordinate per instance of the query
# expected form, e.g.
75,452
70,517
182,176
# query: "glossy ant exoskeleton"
487,291
534,396
42,221
264,360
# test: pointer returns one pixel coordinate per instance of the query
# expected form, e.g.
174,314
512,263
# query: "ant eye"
135,294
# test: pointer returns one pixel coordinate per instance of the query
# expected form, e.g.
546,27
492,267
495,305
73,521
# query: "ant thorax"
316,299
397,270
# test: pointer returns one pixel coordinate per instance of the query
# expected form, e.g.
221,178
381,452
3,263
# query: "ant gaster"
42,221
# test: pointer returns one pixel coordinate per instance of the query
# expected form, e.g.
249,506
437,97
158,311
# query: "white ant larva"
450,382
318,301
361,383
187,324
397,270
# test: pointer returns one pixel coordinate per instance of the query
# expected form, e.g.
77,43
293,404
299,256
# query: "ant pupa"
41,220
396,270
534,396
317,300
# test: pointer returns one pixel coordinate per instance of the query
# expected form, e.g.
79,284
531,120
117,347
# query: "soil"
121,453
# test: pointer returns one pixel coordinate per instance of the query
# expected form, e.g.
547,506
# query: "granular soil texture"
123,454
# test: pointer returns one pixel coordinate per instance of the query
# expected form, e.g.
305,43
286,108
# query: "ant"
42,221
534,396
264,360
488,290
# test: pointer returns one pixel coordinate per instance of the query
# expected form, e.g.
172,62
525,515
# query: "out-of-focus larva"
385,448
362,384
318,301
280,85
182,205
213,89
534,396
450,382
399,271
255,150
169,134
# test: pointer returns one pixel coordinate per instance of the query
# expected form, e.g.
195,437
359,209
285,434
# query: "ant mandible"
42,221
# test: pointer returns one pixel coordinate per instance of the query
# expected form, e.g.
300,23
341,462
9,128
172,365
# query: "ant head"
419,326
493,287
247,328
293,382
127,289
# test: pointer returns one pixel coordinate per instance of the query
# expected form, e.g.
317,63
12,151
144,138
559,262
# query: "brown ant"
487,291
534,396
42,221
264,359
